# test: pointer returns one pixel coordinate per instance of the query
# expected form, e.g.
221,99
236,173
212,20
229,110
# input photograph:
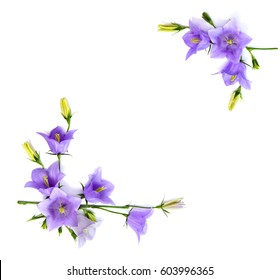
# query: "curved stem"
24,202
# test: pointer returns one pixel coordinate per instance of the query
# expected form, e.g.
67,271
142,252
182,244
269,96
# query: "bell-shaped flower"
228,41
137,220
58,139
45,180
98,189
85,230
60,209
235,72
197,38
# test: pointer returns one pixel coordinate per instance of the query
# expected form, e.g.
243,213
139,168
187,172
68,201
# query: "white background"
158,126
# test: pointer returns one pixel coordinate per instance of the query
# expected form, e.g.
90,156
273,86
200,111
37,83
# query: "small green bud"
171,27
255,63
173,203
235,96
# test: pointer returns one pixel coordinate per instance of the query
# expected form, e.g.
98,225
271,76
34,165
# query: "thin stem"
127,206
114,212
252,48
24,202
59,159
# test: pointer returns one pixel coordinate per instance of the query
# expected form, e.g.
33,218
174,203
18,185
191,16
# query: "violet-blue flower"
235,72
137,220
197,38
45,180
58,139
228,41
60,209
98,189
86,229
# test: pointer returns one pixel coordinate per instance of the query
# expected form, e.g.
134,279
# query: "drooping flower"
86,229
228,41
58,139
137,220
45,180
98,189
197,38
235,72
60,209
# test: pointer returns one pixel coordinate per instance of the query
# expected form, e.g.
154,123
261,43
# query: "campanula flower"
228,41
197,38
85,230
58,139
60,209
98,189
45,180
137,220
235,72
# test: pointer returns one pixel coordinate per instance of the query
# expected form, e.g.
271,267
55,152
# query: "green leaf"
73,234
36,217
44,224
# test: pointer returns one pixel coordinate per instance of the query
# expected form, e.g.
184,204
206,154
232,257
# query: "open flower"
60,209
197,38
45,180
235,72
137,220
86,229
98,189
58,139
228,41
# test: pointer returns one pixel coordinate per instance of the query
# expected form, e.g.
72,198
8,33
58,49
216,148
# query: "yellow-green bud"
33,155
65,108
171,27
235,96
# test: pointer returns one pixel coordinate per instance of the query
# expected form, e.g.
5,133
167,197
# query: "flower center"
230,41
233,77
61,209
46,181
100,189
57,137
195,40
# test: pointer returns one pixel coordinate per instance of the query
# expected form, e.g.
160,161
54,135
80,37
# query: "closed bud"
33,155
235,96
171,27
173,203
65,108
255,63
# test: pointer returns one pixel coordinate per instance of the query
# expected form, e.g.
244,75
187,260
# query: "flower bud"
255,63
235,96
173,203
33,155
65,108
171,27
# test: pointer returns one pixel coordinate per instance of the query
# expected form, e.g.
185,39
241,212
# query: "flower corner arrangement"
60,210
226,41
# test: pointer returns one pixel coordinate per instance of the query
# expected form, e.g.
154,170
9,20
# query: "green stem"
114,212
264,49
24,202
59,159
127,206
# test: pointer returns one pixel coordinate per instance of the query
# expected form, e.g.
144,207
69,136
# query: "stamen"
195,40
100,189
233,77
230,41
61,209
46,181
57,137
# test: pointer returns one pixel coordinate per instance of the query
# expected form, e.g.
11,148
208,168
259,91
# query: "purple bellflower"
137,220
235,72
60,209
85,230
58,139
228,41
45,180
98,189
197,38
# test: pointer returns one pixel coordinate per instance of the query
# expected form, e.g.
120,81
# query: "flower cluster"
59,209
226,41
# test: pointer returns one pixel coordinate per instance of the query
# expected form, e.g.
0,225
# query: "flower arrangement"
225,41
59,210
